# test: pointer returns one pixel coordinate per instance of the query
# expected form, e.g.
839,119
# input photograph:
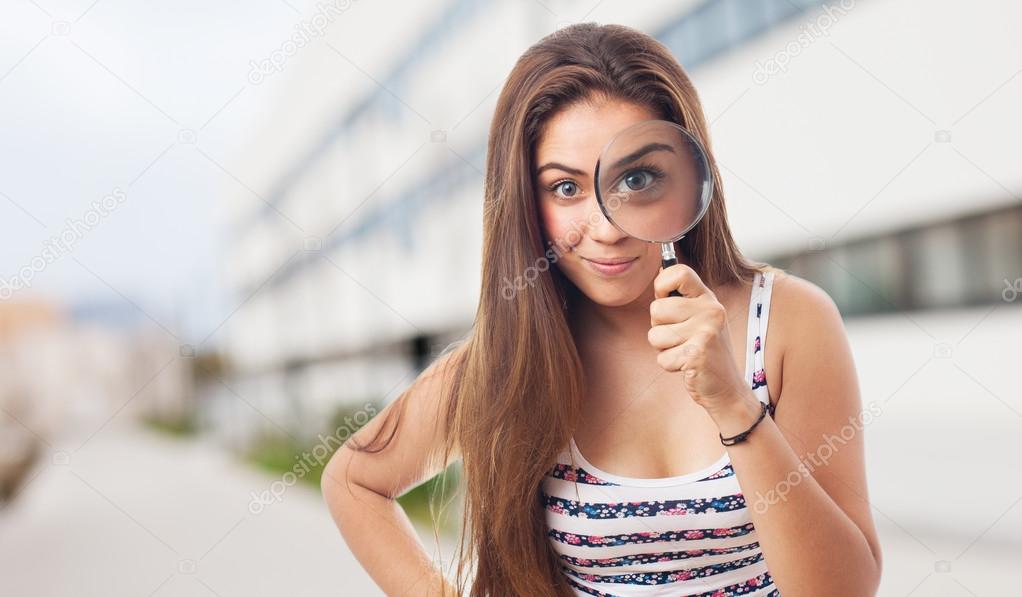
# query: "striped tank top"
689,535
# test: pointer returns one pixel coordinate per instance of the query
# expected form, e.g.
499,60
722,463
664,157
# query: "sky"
121,126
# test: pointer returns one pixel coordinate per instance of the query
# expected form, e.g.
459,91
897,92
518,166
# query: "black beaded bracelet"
735,439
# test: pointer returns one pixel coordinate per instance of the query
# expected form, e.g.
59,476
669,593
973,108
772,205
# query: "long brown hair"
517,382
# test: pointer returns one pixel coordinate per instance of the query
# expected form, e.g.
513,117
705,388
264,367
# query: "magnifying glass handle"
667,259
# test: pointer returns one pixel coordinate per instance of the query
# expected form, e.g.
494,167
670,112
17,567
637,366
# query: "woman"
578,349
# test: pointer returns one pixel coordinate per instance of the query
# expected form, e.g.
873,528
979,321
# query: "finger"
679,357
678,277
668,335
670,309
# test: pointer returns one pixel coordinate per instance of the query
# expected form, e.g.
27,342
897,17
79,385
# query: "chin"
615,299
610,294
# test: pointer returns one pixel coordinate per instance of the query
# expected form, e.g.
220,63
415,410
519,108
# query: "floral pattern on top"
743,588
660,578
652,557
601,510
650,536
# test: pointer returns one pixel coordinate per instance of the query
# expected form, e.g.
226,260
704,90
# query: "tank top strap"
759,313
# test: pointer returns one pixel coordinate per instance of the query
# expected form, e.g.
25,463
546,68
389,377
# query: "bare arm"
803,473
360,489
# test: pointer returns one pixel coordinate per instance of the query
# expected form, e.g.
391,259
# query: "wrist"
737,415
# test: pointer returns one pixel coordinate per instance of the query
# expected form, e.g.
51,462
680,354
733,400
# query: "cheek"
561,226
652,259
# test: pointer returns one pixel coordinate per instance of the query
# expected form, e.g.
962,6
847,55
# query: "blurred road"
133,512
941,456
138,513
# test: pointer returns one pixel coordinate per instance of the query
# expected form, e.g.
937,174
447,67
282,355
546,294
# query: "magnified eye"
637,180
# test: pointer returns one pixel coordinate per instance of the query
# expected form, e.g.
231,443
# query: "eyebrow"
649,148
559,166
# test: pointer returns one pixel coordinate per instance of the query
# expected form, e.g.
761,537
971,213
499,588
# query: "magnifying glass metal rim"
707,191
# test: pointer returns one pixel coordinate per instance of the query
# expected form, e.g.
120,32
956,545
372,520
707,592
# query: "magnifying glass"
653,183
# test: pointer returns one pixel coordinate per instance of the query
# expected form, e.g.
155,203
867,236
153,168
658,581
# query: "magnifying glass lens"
653,181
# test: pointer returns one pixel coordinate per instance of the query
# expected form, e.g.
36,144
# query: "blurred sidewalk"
138,513
135,512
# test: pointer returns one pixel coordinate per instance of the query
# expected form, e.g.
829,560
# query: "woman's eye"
635,180
567,189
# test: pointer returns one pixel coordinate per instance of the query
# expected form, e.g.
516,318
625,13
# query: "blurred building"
65,377
360,258
19,443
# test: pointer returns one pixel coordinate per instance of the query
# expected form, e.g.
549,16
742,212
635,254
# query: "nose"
600,229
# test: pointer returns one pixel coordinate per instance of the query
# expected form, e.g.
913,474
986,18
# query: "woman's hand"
691,332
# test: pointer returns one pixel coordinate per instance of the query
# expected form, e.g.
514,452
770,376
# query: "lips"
609,266
610,260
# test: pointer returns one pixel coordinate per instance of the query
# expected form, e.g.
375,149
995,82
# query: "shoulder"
805,325
807,334
796,304
798,290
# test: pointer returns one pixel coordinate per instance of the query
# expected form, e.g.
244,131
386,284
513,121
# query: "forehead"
575,135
